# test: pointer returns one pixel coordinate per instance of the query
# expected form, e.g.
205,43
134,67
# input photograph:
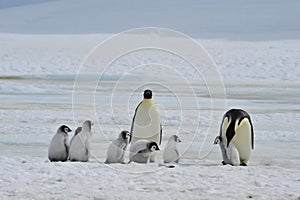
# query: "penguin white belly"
170,154
57,149
146,123
242,141
78,149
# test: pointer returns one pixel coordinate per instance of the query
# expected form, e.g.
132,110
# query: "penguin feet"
243,164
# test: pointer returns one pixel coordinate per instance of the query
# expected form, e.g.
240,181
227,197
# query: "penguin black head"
88,124
174,138
152,146
218,140
78,130
147,94
65,129
125,135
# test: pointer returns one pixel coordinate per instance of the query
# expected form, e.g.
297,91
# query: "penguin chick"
230,154
59,145
80,145
171,153
116,150
141,150
78,129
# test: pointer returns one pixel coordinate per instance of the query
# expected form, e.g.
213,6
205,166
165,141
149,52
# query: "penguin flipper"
160,137
66,146
132,124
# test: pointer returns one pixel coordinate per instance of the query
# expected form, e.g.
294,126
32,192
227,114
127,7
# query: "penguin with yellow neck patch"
146,121
237,128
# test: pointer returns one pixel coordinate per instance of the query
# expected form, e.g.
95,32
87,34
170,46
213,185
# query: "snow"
256,48
93,180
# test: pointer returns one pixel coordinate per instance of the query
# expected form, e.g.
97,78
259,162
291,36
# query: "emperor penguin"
116,150
80,145
78,129
171,153
141,151
237,128
230,154
146,122
59,145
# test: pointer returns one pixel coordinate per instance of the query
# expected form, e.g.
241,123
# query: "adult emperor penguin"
237,128
146,122
171,153
230,154
59,145
116,150
80,145
141,151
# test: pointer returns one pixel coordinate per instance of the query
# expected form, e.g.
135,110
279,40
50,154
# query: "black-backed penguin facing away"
141,151
59,145
80,145
230,154
237,128
146,121
171,153
116,150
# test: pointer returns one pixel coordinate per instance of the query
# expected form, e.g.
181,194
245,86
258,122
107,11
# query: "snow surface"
35,179
39,59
